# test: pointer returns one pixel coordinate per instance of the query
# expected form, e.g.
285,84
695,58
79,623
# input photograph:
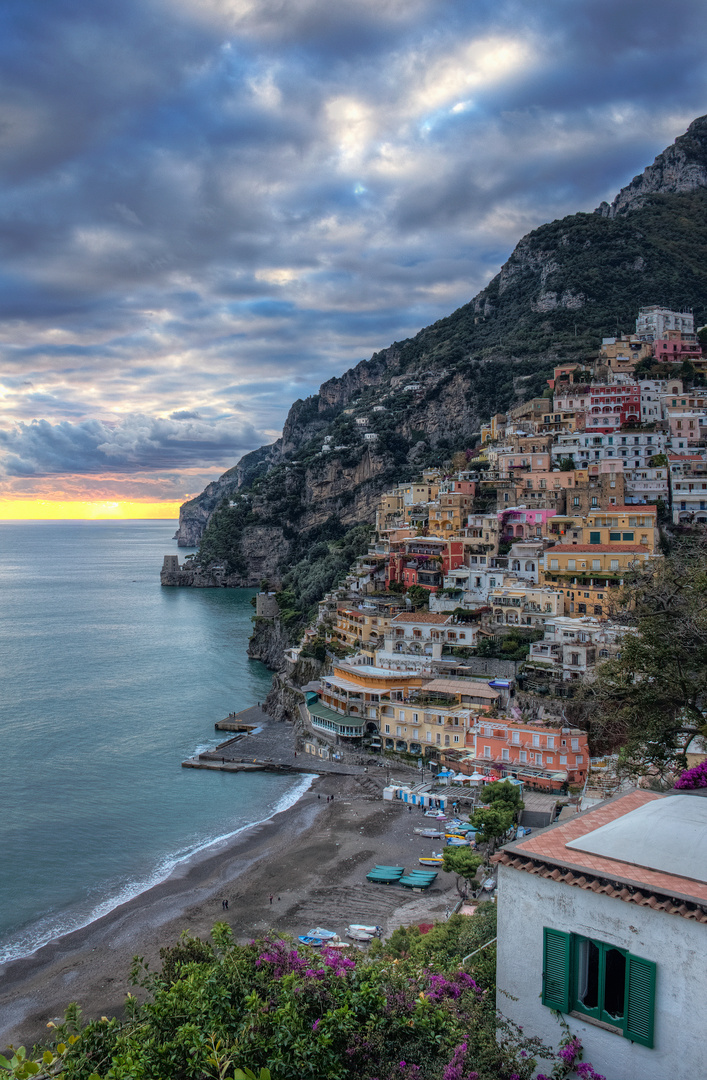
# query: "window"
551,742
505,754
595,979
487,750
614,564
595,538
627,536
523,756
398,731
536,740
575,744
387,729
596,564
571,564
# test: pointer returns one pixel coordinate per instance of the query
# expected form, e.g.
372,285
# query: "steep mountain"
679,169
566,284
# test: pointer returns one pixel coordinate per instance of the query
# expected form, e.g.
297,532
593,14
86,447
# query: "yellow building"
420,728
449,514
524,605
615,525
589,575
358,629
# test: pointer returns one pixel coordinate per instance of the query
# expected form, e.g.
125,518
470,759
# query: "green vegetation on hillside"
331,549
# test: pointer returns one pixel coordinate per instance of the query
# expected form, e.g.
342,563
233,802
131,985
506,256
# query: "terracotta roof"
547,855
422,617
597,547
469,687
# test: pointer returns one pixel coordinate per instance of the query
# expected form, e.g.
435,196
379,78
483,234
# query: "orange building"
544,757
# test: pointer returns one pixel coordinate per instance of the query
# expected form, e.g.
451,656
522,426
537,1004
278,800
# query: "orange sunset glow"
49,509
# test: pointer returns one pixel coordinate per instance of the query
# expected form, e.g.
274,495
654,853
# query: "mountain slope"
567,284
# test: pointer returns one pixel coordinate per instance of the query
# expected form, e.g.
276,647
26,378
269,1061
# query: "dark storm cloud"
137,443
209,203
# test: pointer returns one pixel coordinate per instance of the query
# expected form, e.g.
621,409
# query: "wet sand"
312,858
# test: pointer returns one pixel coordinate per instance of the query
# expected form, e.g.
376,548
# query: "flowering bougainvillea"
693,778
302,1013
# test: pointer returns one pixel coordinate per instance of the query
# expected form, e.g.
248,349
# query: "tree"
463,862
504,795
491,824
649,702
418,594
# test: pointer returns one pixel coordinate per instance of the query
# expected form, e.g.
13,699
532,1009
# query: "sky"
208,207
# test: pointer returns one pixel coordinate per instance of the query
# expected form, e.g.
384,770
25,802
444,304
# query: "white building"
654,321
646,485
571,648
604,919
427,633
633,448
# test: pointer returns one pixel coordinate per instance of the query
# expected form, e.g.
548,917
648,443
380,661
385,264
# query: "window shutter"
556,969
640,1000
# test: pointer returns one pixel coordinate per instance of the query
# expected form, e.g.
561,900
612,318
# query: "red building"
423,560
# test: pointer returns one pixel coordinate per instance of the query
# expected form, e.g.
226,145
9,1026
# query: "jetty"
261,744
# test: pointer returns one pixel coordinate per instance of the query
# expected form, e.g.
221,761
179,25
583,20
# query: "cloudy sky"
207,207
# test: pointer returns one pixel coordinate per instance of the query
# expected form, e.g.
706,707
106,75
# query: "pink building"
517,523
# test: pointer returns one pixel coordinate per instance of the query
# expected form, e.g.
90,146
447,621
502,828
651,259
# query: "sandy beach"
312,858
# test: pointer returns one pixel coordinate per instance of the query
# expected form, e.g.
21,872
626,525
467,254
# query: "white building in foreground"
604,919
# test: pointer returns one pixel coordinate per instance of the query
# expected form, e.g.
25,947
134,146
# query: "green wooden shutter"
640,1000
556,969
595,538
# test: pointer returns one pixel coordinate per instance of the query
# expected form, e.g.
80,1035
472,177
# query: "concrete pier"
261,744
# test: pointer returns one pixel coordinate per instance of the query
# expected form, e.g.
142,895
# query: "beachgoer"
225,904
271,899
319,796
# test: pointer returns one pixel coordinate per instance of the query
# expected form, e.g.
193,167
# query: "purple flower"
693,778
315,1025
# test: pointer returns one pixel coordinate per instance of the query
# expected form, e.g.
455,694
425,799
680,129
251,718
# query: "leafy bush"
305,1015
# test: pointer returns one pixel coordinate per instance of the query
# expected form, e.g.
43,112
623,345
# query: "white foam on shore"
45,931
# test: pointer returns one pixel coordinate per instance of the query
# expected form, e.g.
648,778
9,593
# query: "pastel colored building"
530,751
517,523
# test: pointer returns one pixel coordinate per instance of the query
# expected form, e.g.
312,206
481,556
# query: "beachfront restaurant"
333,723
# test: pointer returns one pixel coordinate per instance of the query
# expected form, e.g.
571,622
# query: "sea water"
107,682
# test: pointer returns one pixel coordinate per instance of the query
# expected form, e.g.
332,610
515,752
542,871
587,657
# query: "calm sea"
107,681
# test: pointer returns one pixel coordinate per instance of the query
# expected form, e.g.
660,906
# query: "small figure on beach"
271,899
225,904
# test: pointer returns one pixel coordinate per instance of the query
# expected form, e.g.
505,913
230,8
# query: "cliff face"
680,168
268,643
566,284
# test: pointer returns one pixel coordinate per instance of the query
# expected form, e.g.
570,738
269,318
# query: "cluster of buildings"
504,575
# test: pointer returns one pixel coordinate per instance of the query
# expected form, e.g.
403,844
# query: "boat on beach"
432,834
318,937
358,935
374,931
430,860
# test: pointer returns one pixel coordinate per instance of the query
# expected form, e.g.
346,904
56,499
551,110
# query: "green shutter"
640,1000
595,538
556,969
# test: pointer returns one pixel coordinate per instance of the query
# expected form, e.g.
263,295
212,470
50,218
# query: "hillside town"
492,589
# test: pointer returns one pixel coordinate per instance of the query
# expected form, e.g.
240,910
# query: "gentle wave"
40,934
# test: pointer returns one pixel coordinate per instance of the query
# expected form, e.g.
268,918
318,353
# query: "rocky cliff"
268,643
679,169
565,285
